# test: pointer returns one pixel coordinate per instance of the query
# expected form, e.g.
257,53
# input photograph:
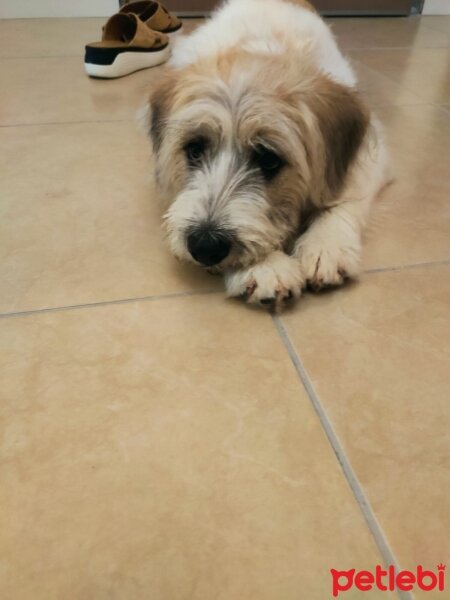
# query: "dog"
267,158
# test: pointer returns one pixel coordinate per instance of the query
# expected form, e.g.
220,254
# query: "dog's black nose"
208,246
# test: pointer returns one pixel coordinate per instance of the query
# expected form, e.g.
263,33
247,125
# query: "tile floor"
162,443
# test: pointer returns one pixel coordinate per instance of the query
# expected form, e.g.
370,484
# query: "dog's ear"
160,103
343,120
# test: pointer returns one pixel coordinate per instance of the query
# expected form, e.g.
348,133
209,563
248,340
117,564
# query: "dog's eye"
194,150
268,161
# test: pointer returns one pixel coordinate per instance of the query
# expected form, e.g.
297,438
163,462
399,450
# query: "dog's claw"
270,284
315,285
249,290
277,302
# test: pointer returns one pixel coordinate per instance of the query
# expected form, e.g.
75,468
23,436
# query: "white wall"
436,7
20,9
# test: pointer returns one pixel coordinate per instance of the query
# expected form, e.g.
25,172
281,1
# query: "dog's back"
267,27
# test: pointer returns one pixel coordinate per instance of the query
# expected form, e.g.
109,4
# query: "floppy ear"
343,120
160,104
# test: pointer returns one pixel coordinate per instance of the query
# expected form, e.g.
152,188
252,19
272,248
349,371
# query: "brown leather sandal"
128,45
154,15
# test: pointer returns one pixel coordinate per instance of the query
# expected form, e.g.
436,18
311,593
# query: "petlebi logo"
388,580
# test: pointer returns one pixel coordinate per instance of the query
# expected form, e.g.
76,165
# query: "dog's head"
243,143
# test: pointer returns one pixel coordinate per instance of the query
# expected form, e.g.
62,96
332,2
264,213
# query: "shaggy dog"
266,156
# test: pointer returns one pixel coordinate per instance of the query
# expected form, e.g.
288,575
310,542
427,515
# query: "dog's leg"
330,250
271,282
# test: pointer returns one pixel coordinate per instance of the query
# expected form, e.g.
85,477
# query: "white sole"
128,62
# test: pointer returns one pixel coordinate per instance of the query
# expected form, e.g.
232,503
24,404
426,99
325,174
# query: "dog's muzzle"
209,246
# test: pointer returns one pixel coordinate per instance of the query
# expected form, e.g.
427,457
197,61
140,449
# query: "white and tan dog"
267,157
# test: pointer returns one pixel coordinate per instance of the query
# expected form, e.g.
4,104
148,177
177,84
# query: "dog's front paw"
328,262
271,283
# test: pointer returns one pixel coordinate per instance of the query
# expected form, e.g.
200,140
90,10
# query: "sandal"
128,45
154,15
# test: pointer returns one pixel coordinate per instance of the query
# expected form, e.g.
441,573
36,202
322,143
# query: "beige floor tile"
189,24
411,219
58,90
440,23
388,33
152,452
422,71
80,220
377,90
33,38
378,356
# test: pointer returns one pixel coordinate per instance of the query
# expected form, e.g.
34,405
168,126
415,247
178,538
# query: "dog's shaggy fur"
268,159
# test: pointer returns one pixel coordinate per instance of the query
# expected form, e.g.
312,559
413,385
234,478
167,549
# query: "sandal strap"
127,27
162,19
146,37
154,14
144,9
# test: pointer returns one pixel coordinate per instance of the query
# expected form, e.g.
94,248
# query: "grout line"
391,79
390,48
39,123
435,29
443,107
344,462
436,263
421,101
375,107
26,313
